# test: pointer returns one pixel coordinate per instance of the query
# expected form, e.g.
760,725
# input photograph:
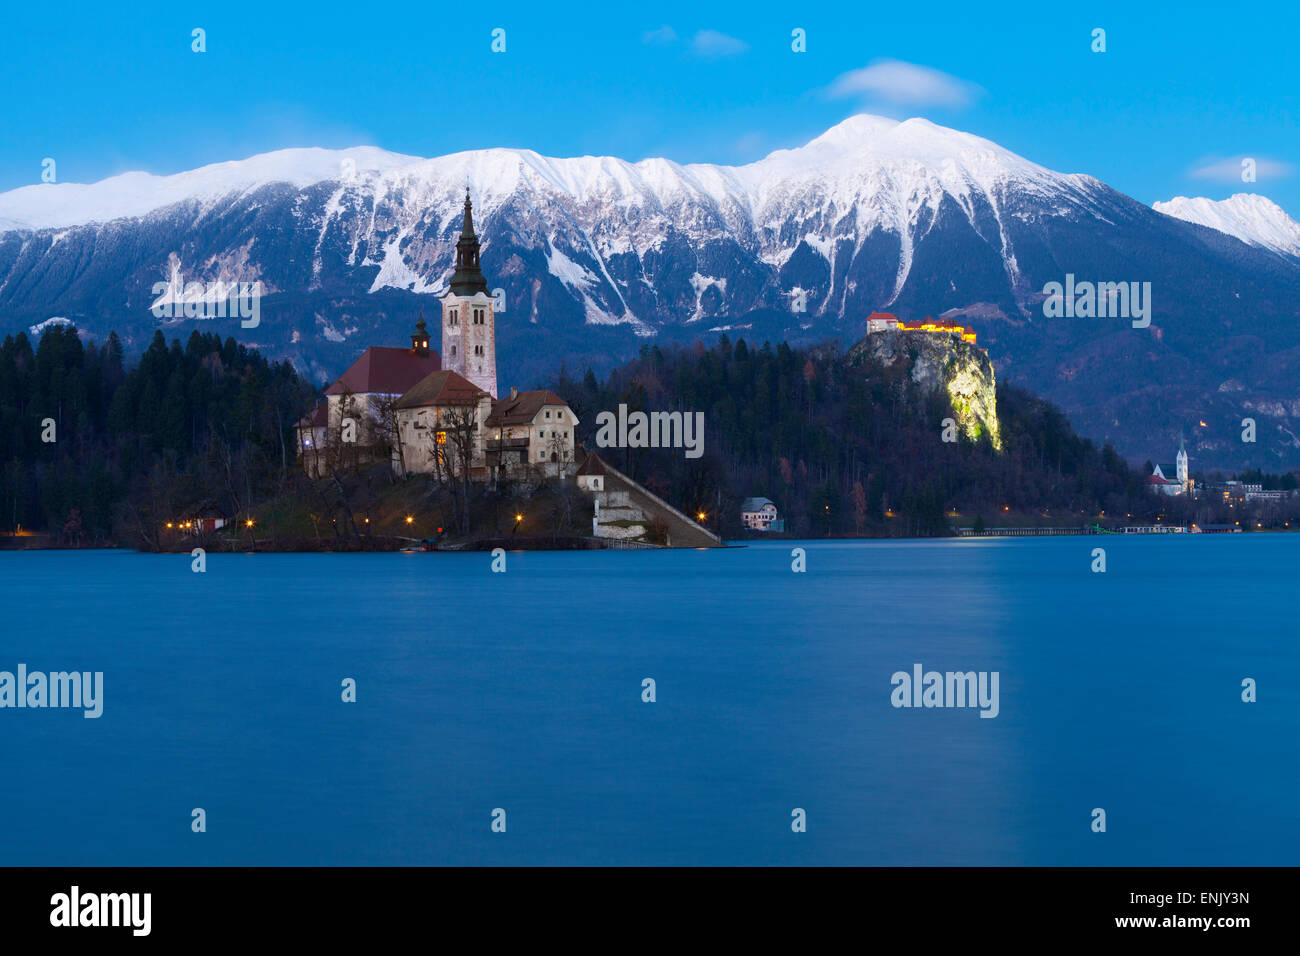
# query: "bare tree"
459,425
390,426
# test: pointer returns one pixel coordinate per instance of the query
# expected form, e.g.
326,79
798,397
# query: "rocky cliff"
938,361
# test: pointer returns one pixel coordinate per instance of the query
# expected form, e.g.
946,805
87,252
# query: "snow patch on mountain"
567,271
52,321
1250,217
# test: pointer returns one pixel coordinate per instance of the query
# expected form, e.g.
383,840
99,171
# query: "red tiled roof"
523,408
441,388
592,466
385,371
882,315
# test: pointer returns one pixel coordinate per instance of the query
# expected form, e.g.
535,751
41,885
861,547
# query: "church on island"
439,412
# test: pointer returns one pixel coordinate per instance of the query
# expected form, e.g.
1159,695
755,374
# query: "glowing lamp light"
248,523
519,518
410,520
700,516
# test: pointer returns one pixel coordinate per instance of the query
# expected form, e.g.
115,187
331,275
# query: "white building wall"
469,348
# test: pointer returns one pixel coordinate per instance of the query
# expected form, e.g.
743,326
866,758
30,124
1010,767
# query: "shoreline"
602,544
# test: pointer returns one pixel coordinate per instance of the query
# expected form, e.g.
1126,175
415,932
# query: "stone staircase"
623,500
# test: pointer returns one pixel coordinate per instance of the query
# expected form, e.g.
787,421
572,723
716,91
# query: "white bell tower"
469,339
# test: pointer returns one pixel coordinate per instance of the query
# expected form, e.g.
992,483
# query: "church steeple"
469,337
468,277
420,338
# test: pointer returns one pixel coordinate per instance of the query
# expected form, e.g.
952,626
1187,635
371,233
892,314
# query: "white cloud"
713,43
1229,170
905,84
664,36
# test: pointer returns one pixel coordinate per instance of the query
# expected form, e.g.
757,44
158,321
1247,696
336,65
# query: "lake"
523,691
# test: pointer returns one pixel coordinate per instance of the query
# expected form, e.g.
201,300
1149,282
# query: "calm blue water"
523,691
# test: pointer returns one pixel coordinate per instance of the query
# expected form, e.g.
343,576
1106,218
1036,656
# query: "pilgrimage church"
440,412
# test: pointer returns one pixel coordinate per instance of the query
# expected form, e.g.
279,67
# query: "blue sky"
1176,96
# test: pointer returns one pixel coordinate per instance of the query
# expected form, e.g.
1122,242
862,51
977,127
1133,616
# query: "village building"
591,475
1240,491
312,429
760,514
440,427
533,429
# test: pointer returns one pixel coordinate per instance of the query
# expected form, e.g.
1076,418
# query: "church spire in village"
468,277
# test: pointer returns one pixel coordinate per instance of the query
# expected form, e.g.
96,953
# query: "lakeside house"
760,514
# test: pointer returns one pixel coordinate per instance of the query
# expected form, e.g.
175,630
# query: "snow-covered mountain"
866,180
1252,218
597,256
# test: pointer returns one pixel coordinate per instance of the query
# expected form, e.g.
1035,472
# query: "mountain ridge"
1250,217
597,255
